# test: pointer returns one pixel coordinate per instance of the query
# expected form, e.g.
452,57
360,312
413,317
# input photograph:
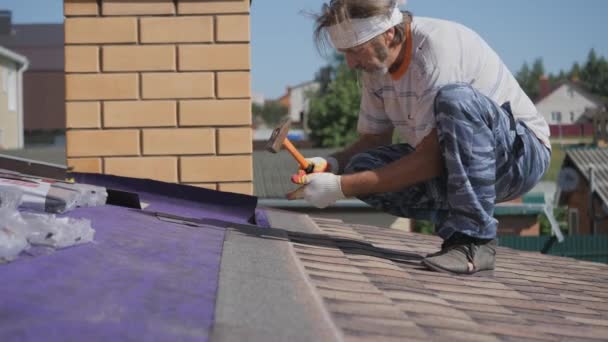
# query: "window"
556,117
573,220
12,90
571,116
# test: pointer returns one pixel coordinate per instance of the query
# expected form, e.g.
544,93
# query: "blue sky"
559,31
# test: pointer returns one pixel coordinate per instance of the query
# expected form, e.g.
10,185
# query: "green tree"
529,78
272,112
575,72
594,74
334,111
523,77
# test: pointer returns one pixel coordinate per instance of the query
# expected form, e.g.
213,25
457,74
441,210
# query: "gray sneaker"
463,255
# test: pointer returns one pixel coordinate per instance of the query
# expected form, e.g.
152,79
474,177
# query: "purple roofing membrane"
142,278
180,200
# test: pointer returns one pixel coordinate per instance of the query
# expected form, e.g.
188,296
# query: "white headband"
353,32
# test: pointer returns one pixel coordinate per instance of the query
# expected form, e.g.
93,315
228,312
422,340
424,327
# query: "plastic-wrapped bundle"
53,196
88,195
12,227
48,230
19,230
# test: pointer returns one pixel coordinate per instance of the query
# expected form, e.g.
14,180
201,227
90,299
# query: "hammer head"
278,136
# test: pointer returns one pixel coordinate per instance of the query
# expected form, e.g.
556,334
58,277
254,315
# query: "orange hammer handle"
294,152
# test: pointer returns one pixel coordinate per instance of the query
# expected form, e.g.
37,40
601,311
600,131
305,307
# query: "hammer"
279,138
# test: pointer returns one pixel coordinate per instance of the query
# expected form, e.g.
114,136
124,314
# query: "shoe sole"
484,273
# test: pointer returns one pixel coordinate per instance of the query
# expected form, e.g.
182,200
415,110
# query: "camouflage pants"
488,158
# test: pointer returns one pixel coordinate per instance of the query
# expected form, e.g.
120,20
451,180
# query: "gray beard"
379,72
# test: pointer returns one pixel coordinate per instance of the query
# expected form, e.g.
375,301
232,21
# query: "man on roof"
472,136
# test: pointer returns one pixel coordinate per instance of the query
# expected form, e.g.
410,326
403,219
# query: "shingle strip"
590,321
440,311
481,292
372,298
517,330
597,333
402,296
431,321
464,336
378,329
365,309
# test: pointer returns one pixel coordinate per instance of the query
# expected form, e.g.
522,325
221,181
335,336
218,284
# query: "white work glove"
327,164
319,189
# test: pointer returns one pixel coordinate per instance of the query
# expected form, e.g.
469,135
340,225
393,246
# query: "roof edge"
15,57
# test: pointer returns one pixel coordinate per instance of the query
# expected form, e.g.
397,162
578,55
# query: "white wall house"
566,104
299,104
12,66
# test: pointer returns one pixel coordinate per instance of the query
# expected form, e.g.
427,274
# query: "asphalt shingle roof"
372,286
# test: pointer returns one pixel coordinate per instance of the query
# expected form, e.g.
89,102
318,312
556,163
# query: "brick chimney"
161,90
545,87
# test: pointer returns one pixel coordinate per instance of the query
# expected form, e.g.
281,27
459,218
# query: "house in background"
12,66
583,188
566,108
298,102
43,83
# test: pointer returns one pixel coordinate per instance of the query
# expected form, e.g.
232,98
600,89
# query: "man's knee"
450,98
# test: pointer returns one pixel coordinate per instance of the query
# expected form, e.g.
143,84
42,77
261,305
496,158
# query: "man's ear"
389,36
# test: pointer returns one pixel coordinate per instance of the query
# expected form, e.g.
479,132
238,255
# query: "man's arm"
421,165
364,143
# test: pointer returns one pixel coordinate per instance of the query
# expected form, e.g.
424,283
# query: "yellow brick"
177,85
101,86
233,28
80,7
215,113
214,57
239,188
208,186
208,7
235,140
216,169
137,7
140,114
83,115
139,58
233,84
179,141
177,30
102,143
85,165
81,59
163,169
100,30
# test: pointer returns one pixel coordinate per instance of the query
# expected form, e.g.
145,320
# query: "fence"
570,131
588,248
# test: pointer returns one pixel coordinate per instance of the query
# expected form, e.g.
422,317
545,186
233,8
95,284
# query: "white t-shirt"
443,53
